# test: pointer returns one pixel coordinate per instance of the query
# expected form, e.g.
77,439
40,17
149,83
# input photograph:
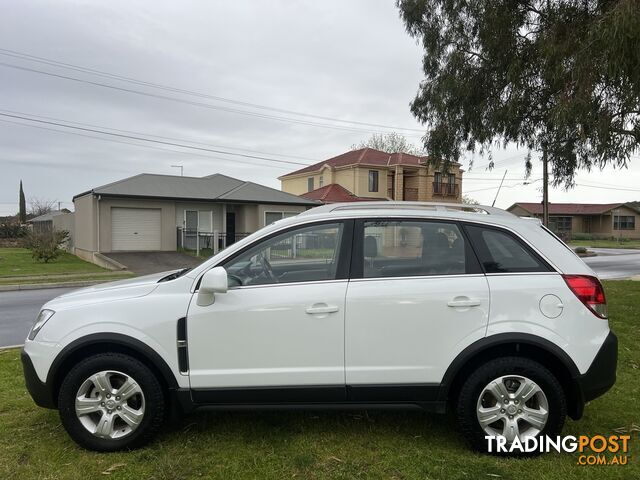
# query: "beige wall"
249,218
85,223
66,221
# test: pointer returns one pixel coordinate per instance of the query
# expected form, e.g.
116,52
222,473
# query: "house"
167,212
374,175
599,220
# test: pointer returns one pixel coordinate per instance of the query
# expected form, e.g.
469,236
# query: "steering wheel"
266,268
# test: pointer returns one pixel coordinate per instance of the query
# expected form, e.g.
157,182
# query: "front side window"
624,222
405,248
302,255
501,252
373,180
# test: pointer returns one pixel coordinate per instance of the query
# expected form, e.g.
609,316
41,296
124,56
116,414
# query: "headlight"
43,316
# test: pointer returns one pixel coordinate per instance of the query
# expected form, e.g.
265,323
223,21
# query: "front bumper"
41,393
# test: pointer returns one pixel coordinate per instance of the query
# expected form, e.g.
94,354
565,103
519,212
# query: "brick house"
599,220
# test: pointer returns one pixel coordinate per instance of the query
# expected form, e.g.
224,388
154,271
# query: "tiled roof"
364,156
334,193
568,208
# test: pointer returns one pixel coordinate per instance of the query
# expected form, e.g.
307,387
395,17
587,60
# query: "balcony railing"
445,189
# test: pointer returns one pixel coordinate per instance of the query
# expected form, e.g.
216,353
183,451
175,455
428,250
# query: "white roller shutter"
135,229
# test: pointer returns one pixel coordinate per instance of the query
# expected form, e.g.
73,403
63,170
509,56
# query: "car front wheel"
110,402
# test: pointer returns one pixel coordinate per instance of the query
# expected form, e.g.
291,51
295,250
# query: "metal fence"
206,242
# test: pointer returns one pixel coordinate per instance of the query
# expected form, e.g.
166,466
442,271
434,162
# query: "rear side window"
501,252
406,248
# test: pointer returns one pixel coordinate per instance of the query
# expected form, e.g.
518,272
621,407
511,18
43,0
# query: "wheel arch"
516,344
108,342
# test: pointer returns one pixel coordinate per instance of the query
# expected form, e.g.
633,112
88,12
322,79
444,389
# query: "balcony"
445,189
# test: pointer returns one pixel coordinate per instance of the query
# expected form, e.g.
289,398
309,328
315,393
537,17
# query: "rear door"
417,297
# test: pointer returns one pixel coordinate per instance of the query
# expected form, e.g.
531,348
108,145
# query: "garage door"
135,229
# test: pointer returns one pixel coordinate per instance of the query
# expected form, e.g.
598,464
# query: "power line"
191,154
101,73
190,102
143,139
157,136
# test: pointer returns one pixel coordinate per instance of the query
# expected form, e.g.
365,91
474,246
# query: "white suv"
371,304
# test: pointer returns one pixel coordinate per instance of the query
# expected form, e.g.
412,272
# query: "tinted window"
406,248
300,255
501,252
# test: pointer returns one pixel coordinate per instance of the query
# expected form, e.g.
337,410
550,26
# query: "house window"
373,180
321,181
560,224
624,222
270,217
310,184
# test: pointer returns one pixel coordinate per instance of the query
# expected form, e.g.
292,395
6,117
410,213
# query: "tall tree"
22,214
560,77
389,142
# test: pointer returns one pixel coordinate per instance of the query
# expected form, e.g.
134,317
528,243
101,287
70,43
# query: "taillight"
589,291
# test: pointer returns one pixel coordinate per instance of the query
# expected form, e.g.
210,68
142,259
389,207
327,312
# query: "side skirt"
413,396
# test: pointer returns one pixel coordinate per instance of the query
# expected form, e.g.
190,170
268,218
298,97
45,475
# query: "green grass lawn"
316,445
606,243
17,266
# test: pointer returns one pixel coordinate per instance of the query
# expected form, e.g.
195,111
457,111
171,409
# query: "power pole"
545,189
498,192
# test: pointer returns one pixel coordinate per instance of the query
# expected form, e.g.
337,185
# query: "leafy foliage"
12,230
45,245
558,76
391,143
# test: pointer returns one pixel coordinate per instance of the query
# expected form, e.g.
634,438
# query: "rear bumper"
598,379
602,373
41,393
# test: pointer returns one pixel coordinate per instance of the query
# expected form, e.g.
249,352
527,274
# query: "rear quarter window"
500,251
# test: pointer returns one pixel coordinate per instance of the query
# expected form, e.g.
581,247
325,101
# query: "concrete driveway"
144,263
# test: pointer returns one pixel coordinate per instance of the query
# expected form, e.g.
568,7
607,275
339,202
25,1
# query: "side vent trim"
183,353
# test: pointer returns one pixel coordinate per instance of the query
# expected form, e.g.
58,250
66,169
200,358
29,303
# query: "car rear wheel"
513,397
111,401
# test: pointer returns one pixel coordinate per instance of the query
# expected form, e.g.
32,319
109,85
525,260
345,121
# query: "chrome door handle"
321,308
469,302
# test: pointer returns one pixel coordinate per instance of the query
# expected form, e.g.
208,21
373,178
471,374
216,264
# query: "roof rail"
401,205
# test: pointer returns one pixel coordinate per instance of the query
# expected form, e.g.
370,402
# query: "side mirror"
213,281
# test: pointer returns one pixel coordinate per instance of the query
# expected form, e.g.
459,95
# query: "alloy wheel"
512,406
110,404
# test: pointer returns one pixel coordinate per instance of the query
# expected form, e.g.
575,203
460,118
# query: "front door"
231,228
420,300
279,330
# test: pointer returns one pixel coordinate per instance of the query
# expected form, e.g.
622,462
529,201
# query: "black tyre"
110,402
512,397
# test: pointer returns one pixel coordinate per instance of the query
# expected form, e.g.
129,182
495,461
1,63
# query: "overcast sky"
347,60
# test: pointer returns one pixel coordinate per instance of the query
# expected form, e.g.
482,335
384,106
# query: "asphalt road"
614,263
18,310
